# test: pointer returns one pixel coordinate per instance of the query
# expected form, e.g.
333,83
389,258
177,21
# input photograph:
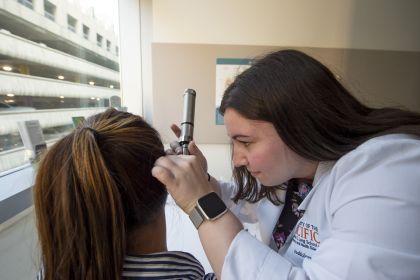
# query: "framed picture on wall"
226,71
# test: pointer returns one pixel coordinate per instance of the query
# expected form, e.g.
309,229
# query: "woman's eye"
246,144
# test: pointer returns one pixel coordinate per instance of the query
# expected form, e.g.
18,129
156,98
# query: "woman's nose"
239,159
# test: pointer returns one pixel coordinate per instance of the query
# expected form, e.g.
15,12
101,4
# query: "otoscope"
187,125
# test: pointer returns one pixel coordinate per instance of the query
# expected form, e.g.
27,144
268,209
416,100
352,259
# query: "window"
116,50
99,40
108,45
27,3
48,76
86,32
71,23
49,10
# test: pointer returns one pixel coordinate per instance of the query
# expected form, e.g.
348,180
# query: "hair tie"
94,132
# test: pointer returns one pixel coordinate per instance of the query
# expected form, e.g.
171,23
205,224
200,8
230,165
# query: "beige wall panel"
179,66
384,78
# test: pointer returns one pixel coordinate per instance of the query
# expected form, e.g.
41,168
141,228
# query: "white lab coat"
361,221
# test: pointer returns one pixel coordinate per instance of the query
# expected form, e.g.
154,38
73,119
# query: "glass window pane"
52,69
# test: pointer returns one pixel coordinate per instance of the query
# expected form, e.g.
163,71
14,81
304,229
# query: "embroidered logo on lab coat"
306,236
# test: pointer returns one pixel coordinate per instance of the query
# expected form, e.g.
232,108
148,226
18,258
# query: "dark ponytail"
91,187
99,216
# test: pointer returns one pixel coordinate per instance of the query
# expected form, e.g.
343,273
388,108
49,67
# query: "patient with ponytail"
100,213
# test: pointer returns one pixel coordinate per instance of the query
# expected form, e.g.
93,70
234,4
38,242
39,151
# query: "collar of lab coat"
268,214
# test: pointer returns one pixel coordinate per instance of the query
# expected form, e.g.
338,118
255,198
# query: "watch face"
212,205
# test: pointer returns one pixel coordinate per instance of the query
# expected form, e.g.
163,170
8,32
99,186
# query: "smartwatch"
209,207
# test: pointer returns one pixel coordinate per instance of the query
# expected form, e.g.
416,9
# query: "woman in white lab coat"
290,120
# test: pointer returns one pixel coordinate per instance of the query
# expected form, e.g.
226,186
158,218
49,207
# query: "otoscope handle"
187,125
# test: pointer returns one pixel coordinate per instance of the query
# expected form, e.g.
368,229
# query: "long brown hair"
313,113
91,187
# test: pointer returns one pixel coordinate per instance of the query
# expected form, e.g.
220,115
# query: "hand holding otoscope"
185,135
187,124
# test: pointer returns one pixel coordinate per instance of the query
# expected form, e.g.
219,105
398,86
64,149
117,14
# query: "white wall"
373,24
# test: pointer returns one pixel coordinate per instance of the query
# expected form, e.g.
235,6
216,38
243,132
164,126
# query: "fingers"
194,150
176,165
176,148
176,130
163,170
170,152
192,147
164,175
184,178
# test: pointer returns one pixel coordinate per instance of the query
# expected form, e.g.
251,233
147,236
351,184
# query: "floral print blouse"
296,192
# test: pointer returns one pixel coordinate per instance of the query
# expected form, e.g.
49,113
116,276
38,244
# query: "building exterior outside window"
27,3
71,23
51,69
49,10
86,32
99,40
